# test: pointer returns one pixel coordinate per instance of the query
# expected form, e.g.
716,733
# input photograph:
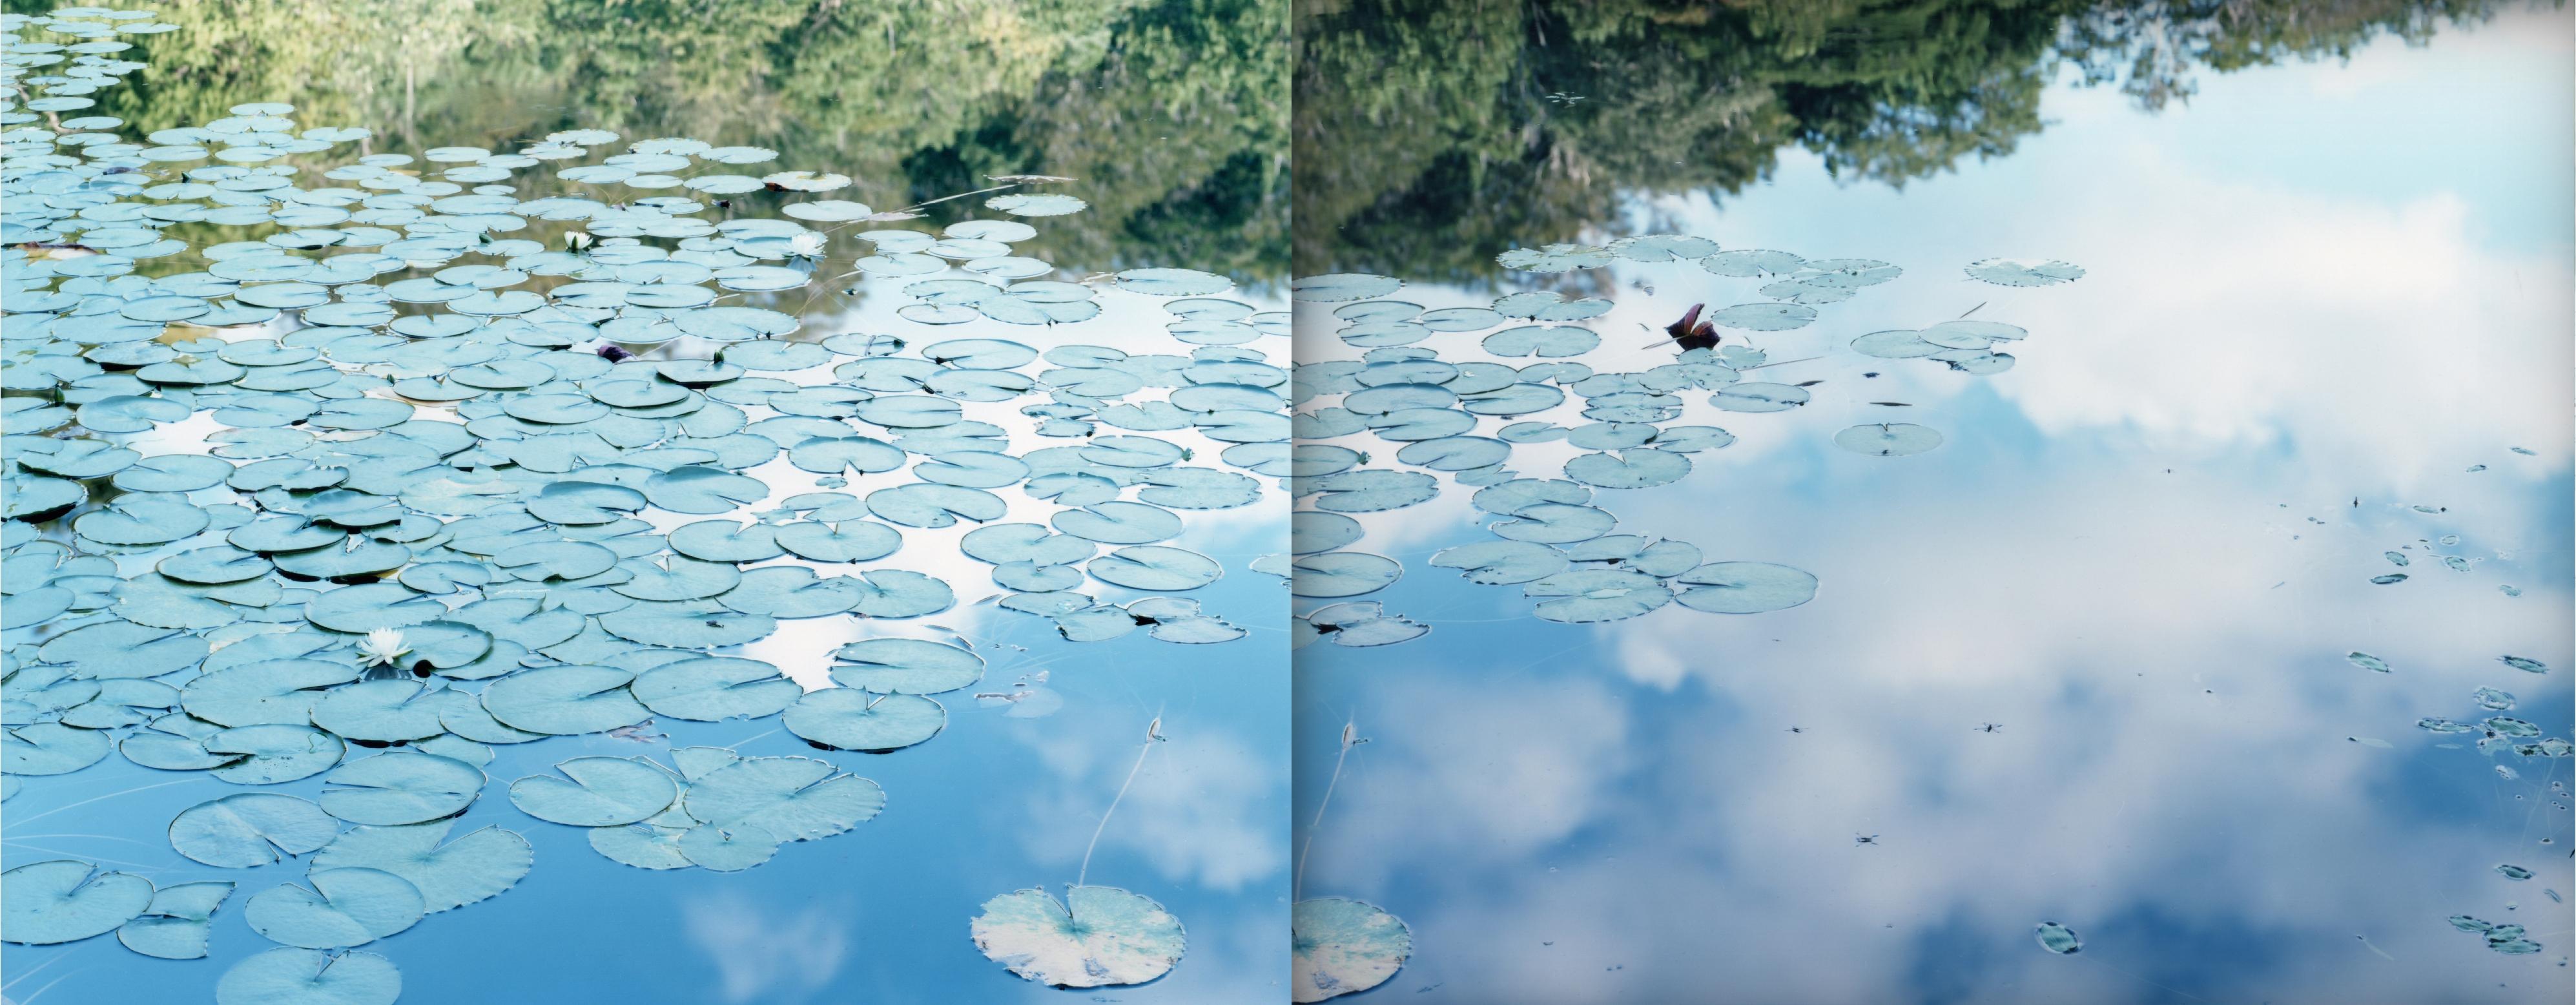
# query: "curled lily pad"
1340,946
1888,439
1098,936
2057,938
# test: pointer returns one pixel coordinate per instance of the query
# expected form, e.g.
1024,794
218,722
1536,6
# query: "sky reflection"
2318,293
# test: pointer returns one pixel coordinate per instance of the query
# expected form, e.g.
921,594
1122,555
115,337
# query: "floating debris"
2024,271
2057,938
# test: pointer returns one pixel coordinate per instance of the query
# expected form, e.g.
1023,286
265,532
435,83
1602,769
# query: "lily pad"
905,666
1098,936
448,875
344,907
66,901
1745,587
794,798
402,787
307,977
251,829
1340,946
850,719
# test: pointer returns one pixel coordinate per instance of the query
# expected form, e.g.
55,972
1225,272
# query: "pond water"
469,129
855,482
2083,662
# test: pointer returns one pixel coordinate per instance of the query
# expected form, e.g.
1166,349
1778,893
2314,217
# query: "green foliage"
1172,113
1432,135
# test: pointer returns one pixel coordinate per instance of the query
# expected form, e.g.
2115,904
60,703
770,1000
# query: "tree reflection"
1430,135
1172,113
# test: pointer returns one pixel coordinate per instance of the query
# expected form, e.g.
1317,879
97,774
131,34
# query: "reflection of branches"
1172,111
2151,47
1425,143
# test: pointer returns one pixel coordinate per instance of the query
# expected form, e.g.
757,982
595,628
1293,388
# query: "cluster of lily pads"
2499,731
301,457
2507,939
1554,541
2456,563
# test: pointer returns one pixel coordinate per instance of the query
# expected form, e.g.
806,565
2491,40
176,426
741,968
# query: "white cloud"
764,956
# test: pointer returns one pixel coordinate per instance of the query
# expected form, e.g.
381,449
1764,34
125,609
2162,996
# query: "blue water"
2322,290
2084,663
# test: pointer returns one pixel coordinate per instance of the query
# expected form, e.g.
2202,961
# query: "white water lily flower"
381,648
575,240
806,244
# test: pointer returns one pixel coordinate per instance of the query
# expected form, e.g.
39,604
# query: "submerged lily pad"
1098,936
2024,271
1888,439
1340,946
1745,587
1036,204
